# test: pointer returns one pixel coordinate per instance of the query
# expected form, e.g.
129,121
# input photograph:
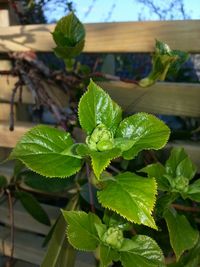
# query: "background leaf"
97,107
131,196
81,231
182,235
147,132
179,164
157,171
42,183
141,251
69,35
46,151
3,181
33,207
164,61
194,191
54,256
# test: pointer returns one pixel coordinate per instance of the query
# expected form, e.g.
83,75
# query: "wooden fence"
181,99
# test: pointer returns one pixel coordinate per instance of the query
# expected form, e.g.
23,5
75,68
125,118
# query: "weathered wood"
4,16
108,37
9,138
161,98
24,221
5,112
28,247
7,83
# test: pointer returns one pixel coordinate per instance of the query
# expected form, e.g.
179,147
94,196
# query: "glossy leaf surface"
47,151
69,35
146,131
141,251
96,107
131,196
81,231
101,160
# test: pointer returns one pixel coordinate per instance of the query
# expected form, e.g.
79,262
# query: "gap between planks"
162,98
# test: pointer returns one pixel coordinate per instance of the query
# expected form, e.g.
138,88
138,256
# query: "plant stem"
185,208
90,188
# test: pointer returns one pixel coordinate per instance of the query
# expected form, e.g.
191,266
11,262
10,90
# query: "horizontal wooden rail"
108,37
162,98
7,84
9,139
24,221
28,247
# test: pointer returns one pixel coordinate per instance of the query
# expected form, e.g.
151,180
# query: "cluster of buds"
113,237
101,139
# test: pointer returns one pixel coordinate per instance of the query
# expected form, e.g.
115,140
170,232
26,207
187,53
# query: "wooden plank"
8,138
7,83
28,223
4,16
28,247
5,112
161,98
108,37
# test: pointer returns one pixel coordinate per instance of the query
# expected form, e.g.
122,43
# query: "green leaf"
182,57
47,151
182,235
3,181
107,255
179,164
157,171
42,183
58,243
146,131
164,201
65,52
163,61
186,168
81,231
69,35
194,191
141,251
101,160
33,207
131,196
96,107
191,259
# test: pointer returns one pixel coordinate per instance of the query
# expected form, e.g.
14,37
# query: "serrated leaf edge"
68,235
129,219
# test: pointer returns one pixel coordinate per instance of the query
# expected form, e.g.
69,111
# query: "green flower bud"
101,139
180,184
113,237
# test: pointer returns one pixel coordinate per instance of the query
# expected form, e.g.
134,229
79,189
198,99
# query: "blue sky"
118,10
